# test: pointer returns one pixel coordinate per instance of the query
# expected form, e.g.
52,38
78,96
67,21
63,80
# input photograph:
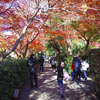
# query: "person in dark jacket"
31,64
60,80
77,69
41,60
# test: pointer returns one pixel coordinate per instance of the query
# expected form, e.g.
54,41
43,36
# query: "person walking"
85,66
77,68
41,60
49,59
53,64
31,64
60,80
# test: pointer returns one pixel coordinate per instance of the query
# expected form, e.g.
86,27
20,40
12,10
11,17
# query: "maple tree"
58,35
19,23
86,31
27,19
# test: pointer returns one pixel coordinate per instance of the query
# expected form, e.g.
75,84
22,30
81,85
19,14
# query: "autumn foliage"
27,21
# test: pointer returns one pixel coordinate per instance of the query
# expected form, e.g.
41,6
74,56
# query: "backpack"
40,59
77,66
53,62
32,67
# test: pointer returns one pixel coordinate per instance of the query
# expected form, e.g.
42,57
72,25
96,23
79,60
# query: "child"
60,80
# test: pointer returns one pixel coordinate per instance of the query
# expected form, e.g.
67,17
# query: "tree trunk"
14,46
26,48
87,45
69,47
21,37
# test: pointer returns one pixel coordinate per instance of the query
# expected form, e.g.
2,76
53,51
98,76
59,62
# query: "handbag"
72,67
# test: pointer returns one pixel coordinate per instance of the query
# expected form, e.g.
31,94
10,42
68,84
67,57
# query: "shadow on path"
47,85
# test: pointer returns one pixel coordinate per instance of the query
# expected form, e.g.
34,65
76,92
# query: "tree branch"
8,8
82,35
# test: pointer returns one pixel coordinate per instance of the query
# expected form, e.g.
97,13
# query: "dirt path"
47,85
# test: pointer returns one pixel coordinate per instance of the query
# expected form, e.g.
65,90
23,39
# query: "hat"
76,56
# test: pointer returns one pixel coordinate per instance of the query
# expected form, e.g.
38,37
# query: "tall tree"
87,32
19,16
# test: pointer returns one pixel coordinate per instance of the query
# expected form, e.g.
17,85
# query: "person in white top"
85,66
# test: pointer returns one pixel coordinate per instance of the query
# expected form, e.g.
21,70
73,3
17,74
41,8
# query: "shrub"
60,57
13,73
94,72
68,62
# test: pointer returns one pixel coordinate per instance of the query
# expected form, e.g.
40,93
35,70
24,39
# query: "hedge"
93,57
67,59
13,73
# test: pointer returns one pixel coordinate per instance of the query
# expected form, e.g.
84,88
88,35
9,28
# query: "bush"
78,47
94,72
13,73
60,57
68,62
